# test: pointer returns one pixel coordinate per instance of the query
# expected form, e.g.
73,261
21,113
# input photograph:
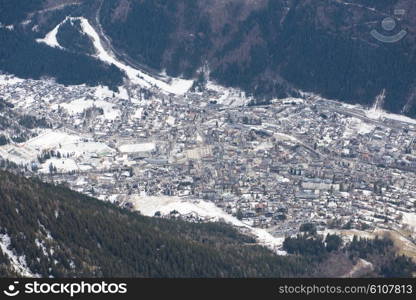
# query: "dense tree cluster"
380,252
71,37
145,34
32,122
13,11
3,140
305,245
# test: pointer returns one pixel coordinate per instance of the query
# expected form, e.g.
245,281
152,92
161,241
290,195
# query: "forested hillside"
37,60
271,48
64,234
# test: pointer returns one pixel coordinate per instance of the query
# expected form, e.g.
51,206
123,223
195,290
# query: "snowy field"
80,105
26,152
51,139
230,97
70,146
137,148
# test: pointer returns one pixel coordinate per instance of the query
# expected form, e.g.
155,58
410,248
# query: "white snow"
282,179
378,114
170,120
122,94
359,266
103,92
289,100
25,152
50,38
357,126
8,27
51,139
41,245
62,165
9,80
134,148
374,113
263,146
67,144
138,113
409,219
229,97
18,263
207,210
80,105
176,86
86,148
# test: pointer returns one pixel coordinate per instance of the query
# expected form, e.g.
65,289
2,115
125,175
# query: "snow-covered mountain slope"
207,211
267,48
173,85
17,263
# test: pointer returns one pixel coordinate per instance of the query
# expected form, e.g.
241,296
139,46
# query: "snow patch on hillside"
206,210
176,86
18,263
50,38
8,27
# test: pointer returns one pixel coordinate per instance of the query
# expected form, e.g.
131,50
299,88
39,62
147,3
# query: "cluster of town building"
273,166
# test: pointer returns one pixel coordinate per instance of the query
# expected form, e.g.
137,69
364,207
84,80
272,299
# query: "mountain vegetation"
379,252
65,234
71,37
269,48
61,233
